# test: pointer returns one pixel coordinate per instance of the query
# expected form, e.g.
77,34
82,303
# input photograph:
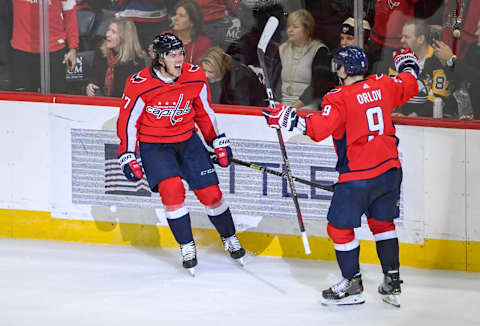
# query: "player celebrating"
159,109
358,116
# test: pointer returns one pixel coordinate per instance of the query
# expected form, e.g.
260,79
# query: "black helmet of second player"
164,43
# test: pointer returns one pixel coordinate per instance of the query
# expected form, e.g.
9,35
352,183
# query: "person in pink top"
26,44
188,26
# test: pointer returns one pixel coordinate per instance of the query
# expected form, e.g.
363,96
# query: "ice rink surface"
48,283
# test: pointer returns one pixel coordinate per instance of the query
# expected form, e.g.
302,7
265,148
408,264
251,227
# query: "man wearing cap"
347,37
347,34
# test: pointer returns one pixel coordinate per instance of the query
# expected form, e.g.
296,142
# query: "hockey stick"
265,38
262,168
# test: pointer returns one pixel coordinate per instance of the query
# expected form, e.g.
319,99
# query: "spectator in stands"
245,50
347,37
5,35
390,16
230,81
464,70
188,26
217,16
119,56
150,17
347,34
329,16
433,79
97,5
465,24
25,42
305,62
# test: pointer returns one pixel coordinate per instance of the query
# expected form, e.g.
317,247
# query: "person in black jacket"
231,82
244,50
465,71
119,56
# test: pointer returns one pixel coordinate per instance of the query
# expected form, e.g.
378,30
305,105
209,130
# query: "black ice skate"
189,255
233,246
345,292
390,288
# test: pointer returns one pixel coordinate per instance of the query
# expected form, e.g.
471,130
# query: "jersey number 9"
375,121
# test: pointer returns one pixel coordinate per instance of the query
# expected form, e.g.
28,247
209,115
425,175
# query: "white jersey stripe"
208,108
132,124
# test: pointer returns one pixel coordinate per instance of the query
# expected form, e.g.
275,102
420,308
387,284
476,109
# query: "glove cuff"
301,125
221,141
401,58
125,158
410,69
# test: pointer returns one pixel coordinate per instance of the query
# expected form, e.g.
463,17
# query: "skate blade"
241,261
191,271
350,300
392,299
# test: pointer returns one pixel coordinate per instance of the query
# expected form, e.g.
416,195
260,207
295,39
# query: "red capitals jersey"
214,9
390,16
62,25
153,111
359,118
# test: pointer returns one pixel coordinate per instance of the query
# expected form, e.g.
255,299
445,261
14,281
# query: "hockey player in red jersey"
358,115
159,109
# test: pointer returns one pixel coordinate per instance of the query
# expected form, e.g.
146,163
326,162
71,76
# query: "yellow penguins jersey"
433,77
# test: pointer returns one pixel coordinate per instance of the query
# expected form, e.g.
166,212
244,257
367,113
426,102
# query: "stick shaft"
261,168
261,58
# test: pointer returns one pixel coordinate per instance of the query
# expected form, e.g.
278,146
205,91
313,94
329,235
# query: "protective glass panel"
92,47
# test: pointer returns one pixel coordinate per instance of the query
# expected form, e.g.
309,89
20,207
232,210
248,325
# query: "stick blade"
306,245
268,31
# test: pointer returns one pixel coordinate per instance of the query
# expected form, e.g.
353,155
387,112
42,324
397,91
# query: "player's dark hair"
157,63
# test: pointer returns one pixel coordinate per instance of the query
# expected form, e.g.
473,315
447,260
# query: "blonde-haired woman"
231,82
306,75
119,56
